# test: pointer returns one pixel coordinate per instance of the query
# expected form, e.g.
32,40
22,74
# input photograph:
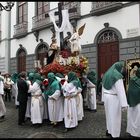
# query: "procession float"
69,58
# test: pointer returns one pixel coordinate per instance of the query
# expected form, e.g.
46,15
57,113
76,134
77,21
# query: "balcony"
21,29
101,8
40,22
74,9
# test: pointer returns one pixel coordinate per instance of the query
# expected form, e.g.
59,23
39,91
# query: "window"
108,36
42,7
22,12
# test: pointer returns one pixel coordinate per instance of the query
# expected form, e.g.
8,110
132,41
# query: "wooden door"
108,53
21,61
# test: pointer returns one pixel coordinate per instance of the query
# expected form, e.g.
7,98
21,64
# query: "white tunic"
45,114
37,105
56,107
133,120
91,95
2,105
70,109
114,99
79,104
28,108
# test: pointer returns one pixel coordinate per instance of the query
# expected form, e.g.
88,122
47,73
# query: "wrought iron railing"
21,29
40,21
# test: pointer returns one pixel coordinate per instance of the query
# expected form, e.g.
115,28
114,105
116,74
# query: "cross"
59,13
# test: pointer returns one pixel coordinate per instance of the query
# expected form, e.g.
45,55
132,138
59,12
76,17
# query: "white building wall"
53,5
13,19
123,19
85,8
31,13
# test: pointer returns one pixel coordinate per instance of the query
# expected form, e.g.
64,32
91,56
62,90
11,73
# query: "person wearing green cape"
133,98
91,91
29,80
37,105
114,97
55,99
79,99
70,90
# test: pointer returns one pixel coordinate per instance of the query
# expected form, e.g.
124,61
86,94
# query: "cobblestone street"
92,126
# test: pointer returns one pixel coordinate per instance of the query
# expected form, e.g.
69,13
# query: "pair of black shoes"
108,134
21,123
2,118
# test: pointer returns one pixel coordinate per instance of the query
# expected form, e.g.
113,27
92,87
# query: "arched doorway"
41,54
108,50
21,57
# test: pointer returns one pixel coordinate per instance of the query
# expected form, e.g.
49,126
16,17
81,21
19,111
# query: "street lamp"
8,7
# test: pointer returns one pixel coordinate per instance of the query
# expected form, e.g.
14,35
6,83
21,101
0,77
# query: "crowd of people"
61,98
55,97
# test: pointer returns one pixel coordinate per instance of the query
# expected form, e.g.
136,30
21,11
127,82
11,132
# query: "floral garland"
79,69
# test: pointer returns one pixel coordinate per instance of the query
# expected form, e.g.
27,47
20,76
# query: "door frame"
118,33
17,56
115,44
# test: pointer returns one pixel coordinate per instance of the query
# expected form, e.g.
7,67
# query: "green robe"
133,95
113,74
92,77
52,86
72,78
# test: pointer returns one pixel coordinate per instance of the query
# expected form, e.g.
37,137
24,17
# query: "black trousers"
21,112
7,94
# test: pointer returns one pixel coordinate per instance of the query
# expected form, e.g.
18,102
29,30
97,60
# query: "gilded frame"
130,64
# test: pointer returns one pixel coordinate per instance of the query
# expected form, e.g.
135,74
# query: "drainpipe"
8,42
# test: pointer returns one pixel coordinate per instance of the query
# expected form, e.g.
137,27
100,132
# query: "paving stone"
92,126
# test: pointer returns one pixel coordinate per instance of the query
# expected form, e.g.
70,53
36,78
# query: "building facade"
112,33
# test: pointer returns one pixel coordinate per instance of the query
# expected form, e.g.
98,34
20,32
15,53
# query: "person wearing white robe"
91,96
75,44
37,107
114,98
55,100
28,108
2,105
45,84
91,91
14,79
70,90
133,113
79,101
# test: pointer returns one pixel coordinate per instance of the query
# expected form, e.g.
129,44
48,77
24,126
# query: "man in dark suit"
22,97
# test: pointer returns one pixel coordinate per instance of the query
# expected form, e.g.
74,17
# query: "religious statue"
53,50
67,42
54,45
133,71
74,40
